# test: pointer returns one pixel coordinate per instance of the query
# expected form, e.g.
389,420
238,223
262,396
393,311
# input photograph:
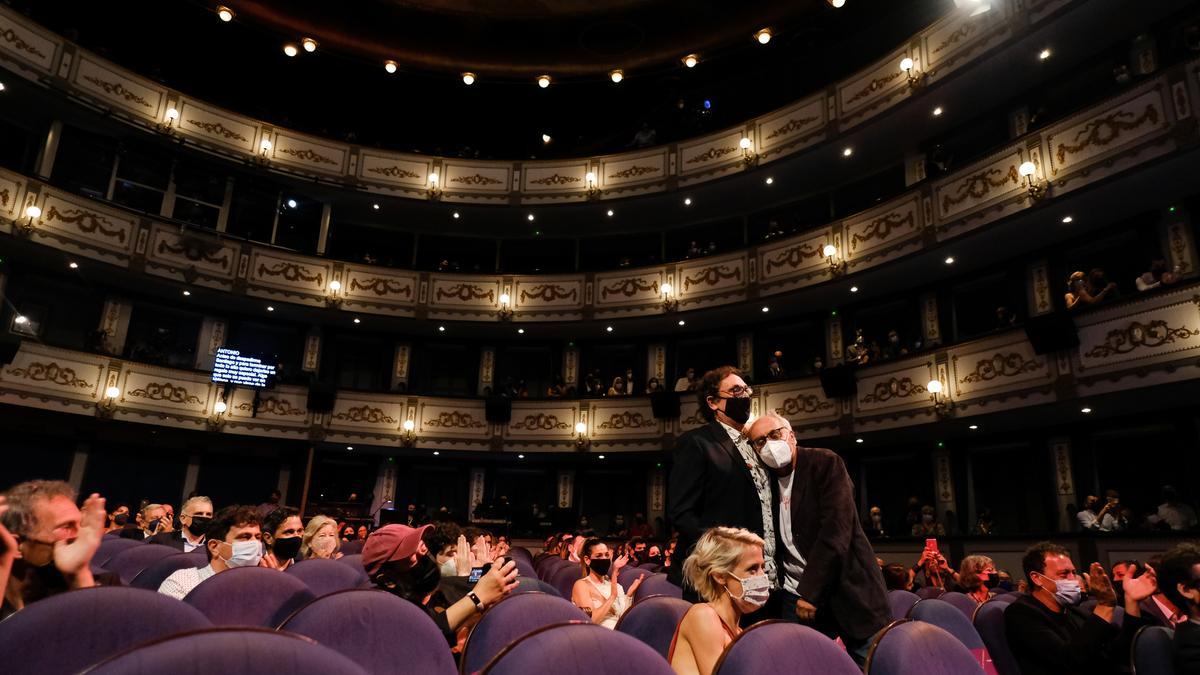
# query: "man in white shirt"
686,382
1176,514
1096,518
234,539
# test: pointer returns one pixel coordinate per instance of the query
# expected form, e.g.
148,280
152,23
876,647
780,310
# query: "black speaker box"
498,410
321,397
1051,333
665,405
839,382
9,344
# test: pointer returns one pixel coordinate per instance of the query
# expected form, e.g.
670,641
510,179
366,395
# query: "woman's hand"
617,564
483,552
497,583
634,586
462,557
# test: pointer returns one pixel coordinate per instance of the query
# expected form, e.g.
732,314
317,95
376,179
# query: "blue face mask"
244,554
1067,592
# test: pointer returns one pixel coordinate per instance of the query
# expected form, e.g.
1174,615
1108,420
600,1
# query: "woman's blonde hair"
717,551
314,526
969,569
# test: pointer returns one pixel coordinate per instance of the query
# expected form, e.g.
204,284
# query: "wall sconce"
32,213
333,299
505,312
836,267
942,406
915,77
264,151
670,302
167,125
435,189
748,155
217,419
1035,186
108,405
581,440
409,438
593,189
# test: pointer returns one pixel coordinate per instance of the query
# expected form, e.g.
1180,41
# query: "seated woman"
1081,292
618,387
977,577
727,570
320,539
598,594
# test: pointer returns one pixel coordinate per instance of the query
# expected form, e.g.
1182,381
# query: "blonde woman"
728,572
320,539
977,577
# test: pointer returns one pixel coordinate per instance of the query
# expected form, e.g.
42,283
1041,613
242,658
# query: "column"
914,168
571,367
943,477
385,488
475,497
565,480
1038,289
931,332
656,495
190,477
400,362
49,151
745,351
1179,241
323,236
212,338
114,325
1064,480
487,369
78,465
833,340
656,366
226,205
285,478
312,353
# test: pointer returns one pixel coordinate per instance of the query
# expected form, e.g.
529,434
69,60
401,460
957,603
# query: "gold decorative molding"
4,197
628,288
711,276
195,255
165,391
556,180
10,36
1001,365
466,293
1138,335
874,86
380,286
540,421
308,154
280,407
627,420
291,272
803,403
476,179
635,171
549,293
893,388
979,185
793,124
792,256
365,413
454,420
394,172
117,89
87,221
1104,130
881,228
711,153
957,36
218,129
51,372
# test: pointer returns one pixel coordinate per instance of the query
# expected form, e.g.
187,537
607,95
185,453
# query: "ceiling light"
949,260
769,181
20,320
610,213
854,289
1085,411
687,201
846,152
617,75
529,217
543,81
937,112
225,14
836,4
744,143
1044,54
691,60
455,214
1068,220
309,44
546,138
975,7
187,293
973,427
906,64
73,265
520,331
441,329
357,320
291,203
766,309
608,329
2,86
858,440
290,49
468,78
33,211
1026,169
390,66
682,322
375,206
763,36
270,308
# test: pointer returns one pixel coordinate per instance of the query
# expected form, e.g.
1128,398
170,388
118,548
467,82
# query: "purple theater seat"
68,632
109,547
525,568
564,579
629,574
548,566
950,619
989,622
129,562
521,553
783,648
653,621
962,602
901,601
352,559
230,651
158,571
352,547
907,647
930,592
323,576
365,625
1153,651
650,567
511,618
249,596
657,584
532,585
577,649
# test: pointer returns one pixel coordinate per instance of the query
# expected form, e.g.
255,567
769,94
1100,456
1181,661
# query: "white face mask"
449,569
776,454
245,553
755,590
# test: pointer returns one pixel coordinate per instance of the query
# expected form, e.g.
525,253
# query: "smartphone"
931,545
476,574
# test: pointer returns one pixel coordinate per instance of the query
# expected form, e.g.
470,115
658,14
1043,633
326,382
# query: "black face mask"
152,526
600,566
286,547
199,525
991,581
414,583
737,409
121,519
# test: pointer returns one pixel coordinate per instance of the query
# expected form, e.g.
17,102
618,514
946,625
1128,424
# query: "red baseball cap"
389,543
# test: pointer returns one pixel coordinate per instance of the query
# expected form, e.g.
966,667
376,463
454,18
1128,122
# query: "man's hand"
805,610
270,561
72,557
8,543
483,552
1100,586
462,557
497,583
1140,588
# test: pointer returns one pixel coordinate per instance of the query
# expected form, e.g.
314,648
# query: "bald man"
828,571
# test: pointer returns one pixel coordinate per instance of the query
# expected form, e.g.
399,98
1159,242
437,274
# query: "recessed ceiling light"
682,322
847,151
1085,410
529,217
20,320
608,329
937,112
769,181
766,309
309,44
763,36
949,260
225,14
1044,54
455,214
973,427
600,456
610,213
291,203
520,331
859,440
1068,219
290,49
2,86
375,206
390,66
691,60
546,138
854,289
441,329
837,4
73,265
520,456
187,293
436,453
543,81
687,201
270,308
616,75
357,320
468,79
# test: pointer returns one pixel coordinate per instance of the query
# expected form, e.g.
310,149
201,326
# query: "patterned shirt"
762,483
181,582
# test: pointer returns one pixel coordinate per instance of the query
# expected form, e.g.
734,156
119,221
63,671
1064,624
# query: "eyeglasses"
772,435
738,390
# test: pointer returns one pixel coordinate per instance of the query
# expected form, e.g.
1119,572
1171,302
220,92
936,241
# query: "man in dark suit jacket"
195,516
715,478
1179,579
827,569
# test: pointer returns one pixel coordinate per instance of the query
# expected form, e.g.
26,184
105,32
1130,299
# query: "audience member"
1048,632
641,528
194,517
618,387
1080,292
362,532
146,524
1005,318
977,577
272,503
47,542
1157,276
1176,514
234,539
282,534
874,524
1179,580
1097,518
598,593
320,539
727,570
984,525
928,526
687,382
897,577
118,519
653,387
348,533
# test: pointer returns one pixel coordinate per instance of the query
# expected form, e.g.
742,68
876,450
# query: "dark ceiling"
342,90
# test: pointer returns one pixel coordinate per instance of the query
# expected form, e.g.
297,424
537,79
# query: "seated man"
56,541
194,515
1047,631
1179,580
149,521
233,540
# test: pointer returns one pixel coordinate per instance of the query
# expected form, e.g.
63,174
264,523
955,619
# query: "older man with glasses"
828,572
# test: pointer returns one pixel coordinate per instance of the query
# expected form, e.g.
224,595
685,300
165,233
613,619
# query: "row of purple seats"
511,618
906,647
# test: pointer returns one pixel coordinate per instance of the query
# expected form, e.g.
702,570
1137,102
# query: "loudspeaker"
321,396
9,344
498,410
665,405
1051,333
838,381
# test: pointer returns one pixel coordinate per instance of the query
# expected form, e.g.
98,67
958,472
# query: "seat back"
901,601
577,649
907,647
564,579
324,576
653,621
782,648
91,624
130,561
930,592
962,602
525,568
158,571
230,651
1153,651
657,584
353,560
532,585
508,620
363,625
989,623
352,547
947,617
629,574
109,547
547,566
249,596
